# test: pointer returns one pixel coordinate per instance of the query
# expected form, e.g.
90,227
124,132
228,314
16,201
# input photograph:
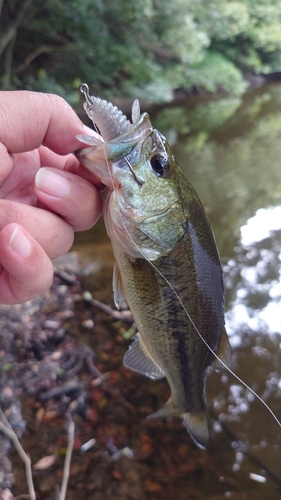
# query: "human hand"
40,208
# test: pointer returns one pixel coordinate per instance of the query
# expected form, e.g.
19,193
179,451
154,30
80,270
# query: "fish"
167,265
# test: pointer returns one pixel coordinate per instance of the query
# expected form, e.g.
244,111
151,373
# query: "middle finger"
71,196
51,231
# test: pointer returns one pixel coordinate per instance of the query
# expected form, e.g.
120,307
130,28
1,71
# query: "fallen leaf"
45,462
152,486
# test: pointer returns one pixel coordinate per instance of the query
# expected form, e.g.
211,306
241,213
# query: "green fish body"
167,264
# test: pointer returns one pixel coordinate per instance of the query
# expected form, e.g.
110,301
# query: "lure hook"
139,181
84,89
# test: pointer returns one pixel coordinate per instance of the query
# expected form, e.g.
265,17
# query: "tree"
143,48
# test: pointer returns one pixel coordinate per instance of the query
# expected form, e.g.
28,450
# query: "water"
230,149
232,156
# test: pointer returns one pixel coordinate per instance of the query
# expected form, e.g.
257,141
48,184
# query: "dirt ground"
53,351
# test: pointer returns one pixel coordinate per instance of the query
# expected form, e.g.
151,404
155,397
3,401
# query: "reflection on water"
232,158
261,225
254,276
253,284
230,149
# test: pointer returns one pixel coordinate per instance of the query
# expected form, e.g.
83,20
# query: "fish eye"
160,165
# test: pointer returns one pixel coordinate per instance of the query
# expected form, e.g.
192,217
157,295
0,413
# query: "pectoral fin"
139,359
117,285
224,353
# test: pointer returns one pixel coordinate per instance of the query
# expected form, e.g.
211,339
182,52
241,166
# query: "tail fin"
196,425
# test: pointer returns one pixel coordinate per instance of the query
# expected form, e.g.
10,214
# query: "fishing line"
198,332
181,302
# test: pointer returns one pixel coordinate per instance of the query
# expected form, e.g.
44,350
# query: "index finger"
69,163
29,119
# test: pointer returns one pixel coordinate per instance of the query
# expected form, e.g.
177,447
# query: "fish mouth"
82,153
93,158
118,138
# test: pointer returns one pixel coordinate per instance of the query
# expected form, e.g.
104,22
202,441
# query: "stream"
230,149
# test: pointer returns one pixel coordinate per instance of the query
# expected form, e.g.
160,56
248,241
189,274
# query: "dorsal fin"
135,111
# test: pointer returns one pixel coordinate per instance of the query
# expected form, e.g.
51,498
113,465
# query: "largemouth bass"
167,264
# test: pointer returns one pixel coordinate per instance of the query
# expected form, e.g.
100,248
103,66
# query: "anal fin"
140,360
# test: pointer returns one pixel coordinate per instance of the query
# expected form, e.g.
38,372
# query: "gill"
84,89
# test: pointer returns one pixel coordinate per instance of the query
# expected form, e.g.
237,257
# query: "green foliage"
215,72
45,83
204,117
222,20
145,48
235,141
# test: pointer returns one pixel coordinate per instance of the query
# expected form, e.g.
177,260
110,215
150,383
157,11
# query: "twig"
92,369
6,428
67,461
125,316
35,53
71,279
57,392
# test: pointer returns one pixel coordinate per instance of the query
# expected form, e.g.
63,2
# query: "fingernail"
89,130
52,183
19,242
94,133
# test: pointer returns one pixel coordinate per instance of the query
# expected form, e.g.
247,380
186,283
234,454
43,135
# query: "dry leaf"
45,462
